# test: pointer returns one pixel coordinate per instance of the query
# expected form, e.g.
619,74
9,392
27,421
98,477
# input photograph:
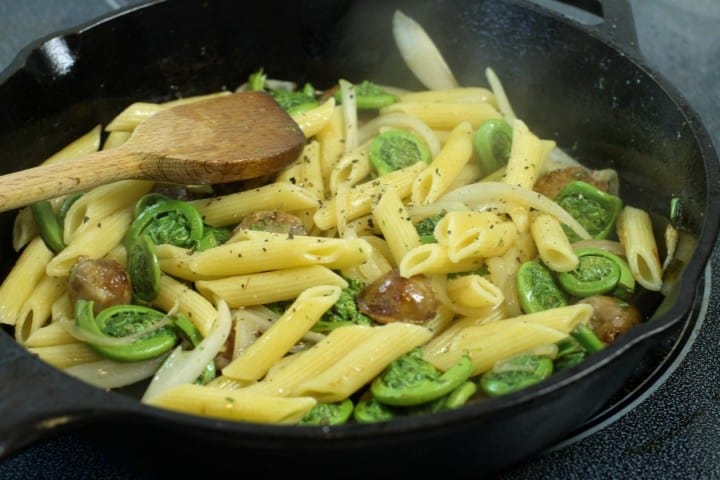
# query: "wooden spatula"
223,139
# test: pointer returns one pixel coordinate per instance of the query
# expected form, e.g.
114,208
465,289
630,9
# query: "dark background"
673,432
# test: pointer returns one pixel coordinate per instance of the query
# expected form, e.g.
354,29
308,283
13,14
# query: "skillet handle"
37,401
613,20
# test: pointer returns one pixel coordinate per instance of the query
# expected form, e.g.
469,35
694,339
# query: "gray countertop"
671,434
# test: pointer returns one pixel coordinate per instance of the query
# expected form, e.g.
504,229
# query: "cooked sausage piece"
275,221
611,316
552,182
103,281
393,298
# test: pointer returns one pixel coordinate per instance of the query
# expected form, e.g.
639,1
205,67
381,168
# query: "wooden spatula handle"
48,181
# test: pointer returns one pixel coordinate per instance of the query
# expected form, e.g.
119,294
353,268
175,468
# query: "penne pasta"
283,379
634,229
394,222
492,341
261,254
475,235
364,362
235,405
433,258
230,209
275,343
26,274
362,196
173,294
36,311
65,355
441,173
314,120
552,243
444,116
474,292
95,241
268,287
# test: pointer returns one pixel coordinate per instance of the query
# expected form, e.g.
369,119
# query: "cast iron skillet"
570,82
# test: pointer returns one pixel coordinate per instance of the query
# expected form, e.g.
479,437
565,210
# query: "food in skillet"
426,249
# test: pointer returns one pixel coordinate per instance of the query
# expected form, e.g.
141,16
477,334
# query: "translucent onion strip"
499,91
420,53
478,195
110,374
349,110
185,366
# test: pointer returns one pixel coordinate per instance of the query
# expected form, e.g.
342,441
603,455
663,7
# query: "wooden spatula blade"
219,140
235,137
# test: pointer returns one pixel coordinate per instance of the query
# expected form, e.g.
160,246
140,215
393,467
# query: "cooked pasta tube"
26,274
284,378
503,269
175,294
552,243
268,287
475,234
474,291
261,254
441,342
36,310
62,308
48,335
444,116
93,207
306,171
314,120
251,322
393,220
480,194
115,139
379,261
237,405
493,341
439,175
635,232
350,169
362,196
364,362
66,355
285,332
230,209
527,156
94,242
454,95
433,258
24,228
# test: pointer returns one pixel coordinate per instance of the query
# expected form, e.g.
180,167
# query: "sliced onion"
478,195
499,91
349,111
110,374
420,53
184,366
671,243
